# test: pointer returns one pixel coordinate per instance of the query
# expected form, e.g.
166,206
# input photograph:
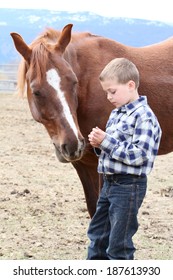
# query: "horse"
59,71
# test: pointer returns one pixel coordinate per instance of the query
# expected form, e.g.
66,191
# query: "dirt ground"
42,207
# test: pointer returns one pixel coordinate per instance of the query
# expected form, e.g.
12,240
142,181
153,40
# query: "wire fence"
8,77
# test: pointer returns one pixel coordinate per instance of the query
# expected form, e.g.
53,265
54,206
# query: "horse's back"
155,64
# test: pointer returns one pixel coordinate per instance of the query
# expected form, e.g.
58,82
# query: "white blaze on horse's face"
54,80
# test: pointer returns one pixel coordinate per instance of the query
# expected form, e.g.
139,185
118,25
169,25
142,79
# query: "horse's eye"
75,82
37,93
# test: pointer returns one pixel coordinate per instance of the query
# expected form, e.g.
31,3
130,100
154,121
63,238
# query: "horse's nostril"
82,144
73,150
67,151
64,148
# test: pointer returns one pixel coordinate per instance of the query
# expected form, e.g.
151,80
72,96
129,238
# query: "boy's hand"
96,136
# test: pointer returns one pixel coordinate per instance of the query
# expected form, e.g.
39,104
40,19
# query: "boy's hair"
121,69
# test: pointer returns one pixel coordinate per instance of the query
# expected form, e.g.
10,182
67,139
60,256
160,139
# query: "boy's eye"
110,92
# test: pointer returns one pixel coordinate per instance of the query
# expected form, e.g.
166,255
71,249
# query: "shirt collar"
130,107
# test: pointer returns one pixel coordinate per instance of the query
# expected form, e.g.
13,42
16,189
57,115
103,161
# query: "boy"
127,152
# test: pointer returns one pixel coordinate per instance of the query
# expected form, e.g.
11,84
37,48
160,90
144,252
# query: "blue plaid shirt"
132,140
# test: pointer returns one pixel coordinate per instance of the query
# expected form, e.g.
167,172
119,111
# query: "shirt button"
125,127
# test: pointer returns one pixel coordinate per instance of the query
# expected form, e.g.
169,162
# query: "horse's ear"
21,46
65,38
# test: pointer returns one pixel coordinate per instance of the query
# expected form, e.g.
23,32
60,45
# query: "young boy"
127,152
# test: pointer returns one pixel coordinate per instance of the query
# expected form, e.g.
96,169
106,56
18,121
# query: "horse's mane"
39,54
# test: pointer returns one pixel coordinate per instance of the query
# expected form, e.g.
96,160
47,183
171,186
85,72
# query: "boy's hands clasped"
96,136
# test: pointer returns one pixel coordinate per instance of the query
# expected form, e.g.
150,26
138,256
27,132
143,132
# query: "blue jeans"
115,221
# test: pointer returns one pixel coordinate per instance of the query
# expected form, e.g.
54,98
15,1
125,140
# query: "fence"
8,77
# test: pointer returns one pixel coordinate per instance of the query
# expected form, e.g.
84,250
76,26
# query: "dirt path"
42,207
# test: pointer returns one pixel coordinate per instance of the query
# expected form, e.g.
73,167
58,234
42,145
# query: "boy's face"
119,94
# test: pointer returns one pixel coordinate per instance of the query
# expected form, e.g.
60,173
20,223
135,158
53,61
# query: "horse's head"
51,90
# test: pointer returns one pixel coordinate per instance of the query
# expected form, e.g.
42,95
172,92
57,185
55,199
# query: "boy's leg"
99,228
125,197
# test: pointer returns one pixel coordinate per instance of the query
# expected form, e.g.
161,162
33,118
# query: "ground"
42,206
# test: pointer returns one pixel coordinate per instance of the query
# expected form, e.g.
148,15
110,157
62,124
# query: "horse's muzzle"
69,152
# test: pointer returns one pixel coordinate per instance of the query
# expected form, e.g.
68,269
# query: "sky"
146,9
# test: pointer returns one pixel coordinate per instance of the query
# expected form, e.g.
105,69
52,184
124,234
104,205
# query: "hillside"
29,23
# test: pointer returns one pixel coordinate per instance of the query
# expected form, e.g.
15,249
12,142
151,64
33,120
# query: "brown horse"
61,72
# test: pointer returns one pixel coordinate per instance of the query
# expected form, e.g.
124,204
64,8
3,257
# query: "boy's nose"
109,97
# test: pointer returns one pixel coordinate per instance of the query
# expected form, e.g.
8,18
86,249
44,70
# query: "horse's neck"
88,55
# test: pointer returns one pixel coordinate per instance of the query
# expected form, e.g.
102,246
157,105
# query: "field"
42,206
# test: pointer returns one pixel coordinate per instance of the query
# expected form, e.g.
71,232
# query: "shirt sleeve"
138,149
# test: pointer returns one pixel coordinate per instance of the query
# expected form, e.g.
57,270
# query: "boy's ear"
132,84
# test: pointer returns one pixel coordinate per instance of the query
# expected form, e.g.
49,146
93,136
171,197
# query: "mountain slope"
29,23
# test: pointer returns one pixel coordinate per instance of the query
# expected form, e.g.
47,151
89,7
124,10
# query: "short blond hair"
122,69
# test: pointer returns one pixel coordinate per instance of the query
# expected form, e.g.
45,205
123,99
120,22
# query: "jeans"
115,221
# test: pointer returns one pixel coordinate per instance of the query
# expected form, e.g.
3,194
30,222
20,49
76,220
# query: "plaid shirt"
132,140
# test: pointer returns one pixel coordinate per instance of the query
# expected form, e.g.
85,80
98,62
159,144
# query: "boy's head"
120,80
121,69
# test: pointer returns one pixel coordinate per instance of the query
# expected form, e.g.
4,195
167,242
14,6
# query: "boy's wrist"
108,143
